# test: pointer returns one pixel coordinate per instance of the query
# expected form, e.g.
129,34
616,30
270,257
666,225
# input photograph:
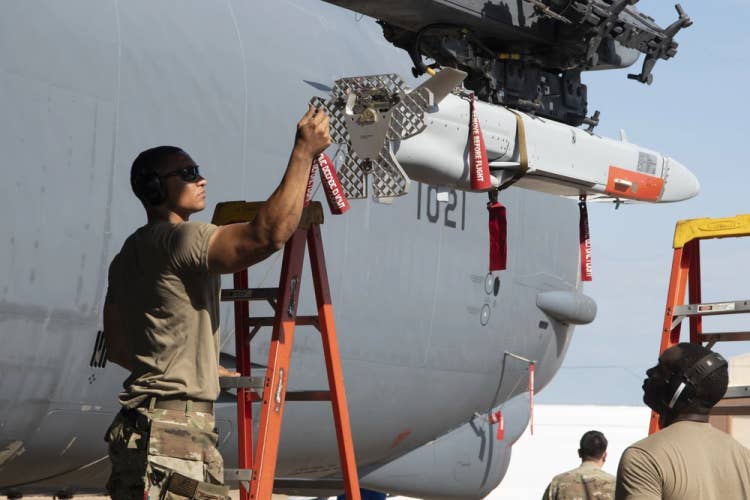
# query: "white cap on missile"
679,183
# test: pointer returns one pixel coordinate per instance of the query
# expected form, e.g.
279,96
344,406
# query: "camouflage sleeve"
188,245
638,476
548,493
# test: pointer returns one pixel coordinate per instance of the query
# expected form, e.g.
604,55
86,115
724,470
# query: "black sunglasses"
187,174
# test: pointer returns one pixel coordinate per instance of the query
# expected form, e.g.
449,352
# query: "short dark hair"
593,445
708,391
147,164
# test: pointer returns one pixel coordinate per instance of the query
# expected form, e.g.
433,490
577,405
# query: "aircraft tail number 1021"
441,204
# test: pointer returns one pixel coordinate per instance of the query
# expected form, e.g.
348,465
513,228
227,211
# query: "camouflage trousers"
164,455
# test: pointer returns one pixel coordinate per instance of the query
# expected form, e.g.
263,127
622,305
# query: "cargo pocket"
214,464
183,458
128,455
178,467
176,439
172,448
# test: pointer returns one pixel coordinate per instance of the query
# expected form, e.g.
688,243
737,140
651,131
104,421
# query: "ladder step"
268,321
308,396
735,402
331,486
235,294
235,475
255,397
737,391
713,308
255,383
725,336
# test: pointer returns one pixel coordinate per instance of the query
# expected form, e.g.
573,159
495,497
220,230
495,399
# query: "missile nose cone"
680,183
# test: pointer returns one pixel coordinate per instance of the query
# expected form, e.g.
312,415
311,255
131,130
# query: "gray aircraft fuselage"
423,327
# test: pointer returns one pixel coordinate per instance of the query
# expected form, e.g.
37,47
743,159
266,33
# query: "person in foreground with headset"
688,459
161,317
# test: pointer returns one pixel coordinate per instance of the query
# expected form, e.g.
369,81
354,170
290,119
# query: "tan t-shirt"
169,307
685,461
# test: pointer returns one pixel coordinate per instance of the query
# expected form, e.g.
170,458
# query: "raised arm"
237,246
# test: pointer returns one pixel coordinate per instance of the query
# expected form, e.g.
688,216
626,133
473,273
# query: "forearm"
235,246
279,217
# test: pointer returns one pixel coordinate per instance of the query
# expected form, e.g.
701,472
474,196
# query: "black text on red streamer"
585,240
337,201
311,182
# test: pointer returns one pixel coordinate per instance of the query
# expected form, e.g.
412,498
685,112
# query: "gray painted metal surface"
423,327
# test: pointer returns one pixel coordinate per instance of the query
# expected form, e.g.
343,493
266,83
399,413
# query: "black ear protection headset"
683,386
148,185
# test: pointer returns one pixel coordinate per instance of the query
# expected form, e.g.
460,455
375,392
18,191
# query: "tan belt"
178,404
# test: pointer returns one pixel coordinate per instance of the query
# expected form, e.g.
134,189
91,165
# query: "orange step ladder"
686,276
257,467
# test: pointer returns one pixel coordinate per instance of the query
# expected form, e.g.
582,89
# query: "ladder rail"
675,297
244,405
333,364
694,290
274,393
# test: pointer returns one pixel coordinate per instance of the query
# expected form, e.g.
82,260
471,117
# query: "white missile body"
560,159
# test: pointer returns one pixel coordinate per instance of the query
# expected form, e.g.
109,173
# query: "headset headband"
696,373
704,367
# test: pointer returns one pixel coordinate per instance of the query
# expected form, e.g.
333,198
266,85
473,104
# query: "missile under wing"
394,134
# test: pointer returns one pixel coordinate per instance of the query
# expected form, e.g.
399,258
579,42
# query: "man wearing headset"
161,317
688,459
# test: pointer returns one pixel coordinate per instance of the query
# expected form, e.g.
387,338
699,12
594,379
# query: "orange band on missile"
624,183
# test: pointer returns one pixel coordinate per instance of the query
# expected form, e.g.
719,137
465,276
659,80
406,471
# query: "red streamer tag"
497,418
584,240
480,170
337,201
531,397
310,183
498,227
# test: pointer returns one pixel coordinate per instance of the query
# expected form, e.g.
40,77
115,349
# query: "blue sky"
695,111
